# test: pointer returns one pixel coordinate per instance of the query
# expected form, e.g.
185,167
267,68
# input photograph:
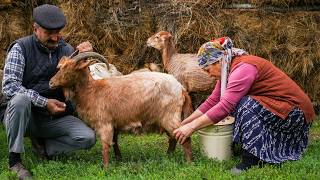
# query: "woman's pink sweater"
240,80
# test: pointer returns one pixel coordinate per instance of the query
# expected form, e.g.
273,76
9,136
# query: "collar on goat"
85,55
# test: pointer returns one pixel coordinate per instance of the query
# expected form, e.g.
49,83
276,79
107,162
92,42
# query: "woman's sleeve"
239,83
212,100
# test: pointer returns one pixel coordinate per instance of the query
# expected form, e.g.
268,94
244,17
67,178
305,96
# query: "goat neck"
82,81
167,53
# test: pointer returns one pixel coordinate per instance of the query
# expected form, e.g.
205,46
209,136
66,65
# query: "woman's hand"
85,46
183,132
186,130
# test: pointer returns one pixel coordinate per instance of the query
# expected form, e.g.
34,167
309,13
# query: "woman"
272,113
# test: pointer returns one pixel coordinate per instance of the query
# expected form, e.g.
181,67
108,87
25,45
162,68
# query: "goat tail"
187,108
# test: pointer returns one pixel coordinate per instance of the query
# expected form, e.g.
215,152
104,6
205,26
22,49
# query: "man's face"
49,38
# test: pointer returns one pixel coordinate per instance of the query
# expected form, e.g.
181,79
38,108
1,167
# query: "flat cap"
49,17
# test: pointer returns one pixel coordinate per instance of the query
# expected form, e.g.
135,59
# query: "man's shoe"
39,148
21,171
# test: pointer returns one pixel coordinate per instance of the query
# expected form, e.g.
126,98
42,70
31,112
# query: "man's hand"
55,107
85,46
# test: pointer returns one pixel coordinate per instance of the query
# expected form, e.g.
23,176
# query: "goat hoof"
104,166
119,158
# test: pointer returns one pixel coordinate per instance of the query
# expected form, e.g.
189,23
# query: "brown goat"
118,102
183,67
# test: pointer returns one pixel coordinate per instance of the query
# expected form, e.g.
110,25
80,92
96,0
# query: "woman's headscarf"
219,49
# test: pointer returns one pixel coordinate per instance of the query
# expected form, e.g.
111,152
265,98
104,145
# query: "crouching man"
31,107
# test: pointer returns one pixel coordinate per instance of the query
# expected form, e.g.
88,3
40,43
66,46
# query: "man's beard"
51,44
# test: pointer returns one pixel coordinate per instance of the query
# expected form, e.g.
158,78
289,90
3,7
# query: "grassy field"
144,157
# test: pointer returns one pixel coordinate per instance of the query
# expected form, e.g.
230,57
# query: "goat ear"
62,61
169,38
166,38
82,64
64,58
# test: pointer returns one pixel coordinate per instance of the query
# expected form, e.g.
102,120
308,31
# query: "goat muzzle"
51,85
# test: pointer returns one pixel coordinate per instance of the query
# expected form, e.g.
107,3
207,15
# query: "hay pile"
13,24
272,29
2,56
118,29
5,3
278,3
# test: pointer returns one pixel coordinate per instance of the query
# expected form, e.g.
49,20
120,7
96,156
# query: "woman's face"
214,70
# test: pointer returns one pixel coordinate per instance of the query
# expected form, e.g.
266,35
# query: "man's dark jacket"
40,66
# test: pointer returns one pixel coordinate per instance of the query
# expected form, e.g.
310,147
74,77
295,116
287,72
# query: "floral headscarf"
219,49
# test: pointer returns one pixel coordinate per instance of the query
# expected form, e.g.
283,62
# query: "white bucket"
216,140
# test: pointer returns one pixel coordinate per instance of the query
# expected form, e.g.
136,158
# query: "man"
32,108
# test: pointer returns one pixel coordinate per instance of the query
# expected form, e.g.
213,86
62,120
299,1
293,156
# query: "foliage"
144,157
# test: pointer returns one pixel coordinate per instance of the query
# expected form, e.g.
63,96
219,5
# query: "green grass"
144,157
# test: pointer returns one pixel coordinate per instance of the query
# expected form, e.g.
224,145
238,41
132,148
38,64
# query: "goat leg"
116,149
106,135
105,154
187,150
172,144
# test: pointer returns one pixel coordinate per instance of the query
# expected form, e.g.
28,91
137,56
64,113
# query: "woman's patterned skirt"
266,135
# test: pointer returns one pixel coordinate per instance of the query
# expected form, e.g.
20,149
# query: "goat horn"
76,52
85,55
